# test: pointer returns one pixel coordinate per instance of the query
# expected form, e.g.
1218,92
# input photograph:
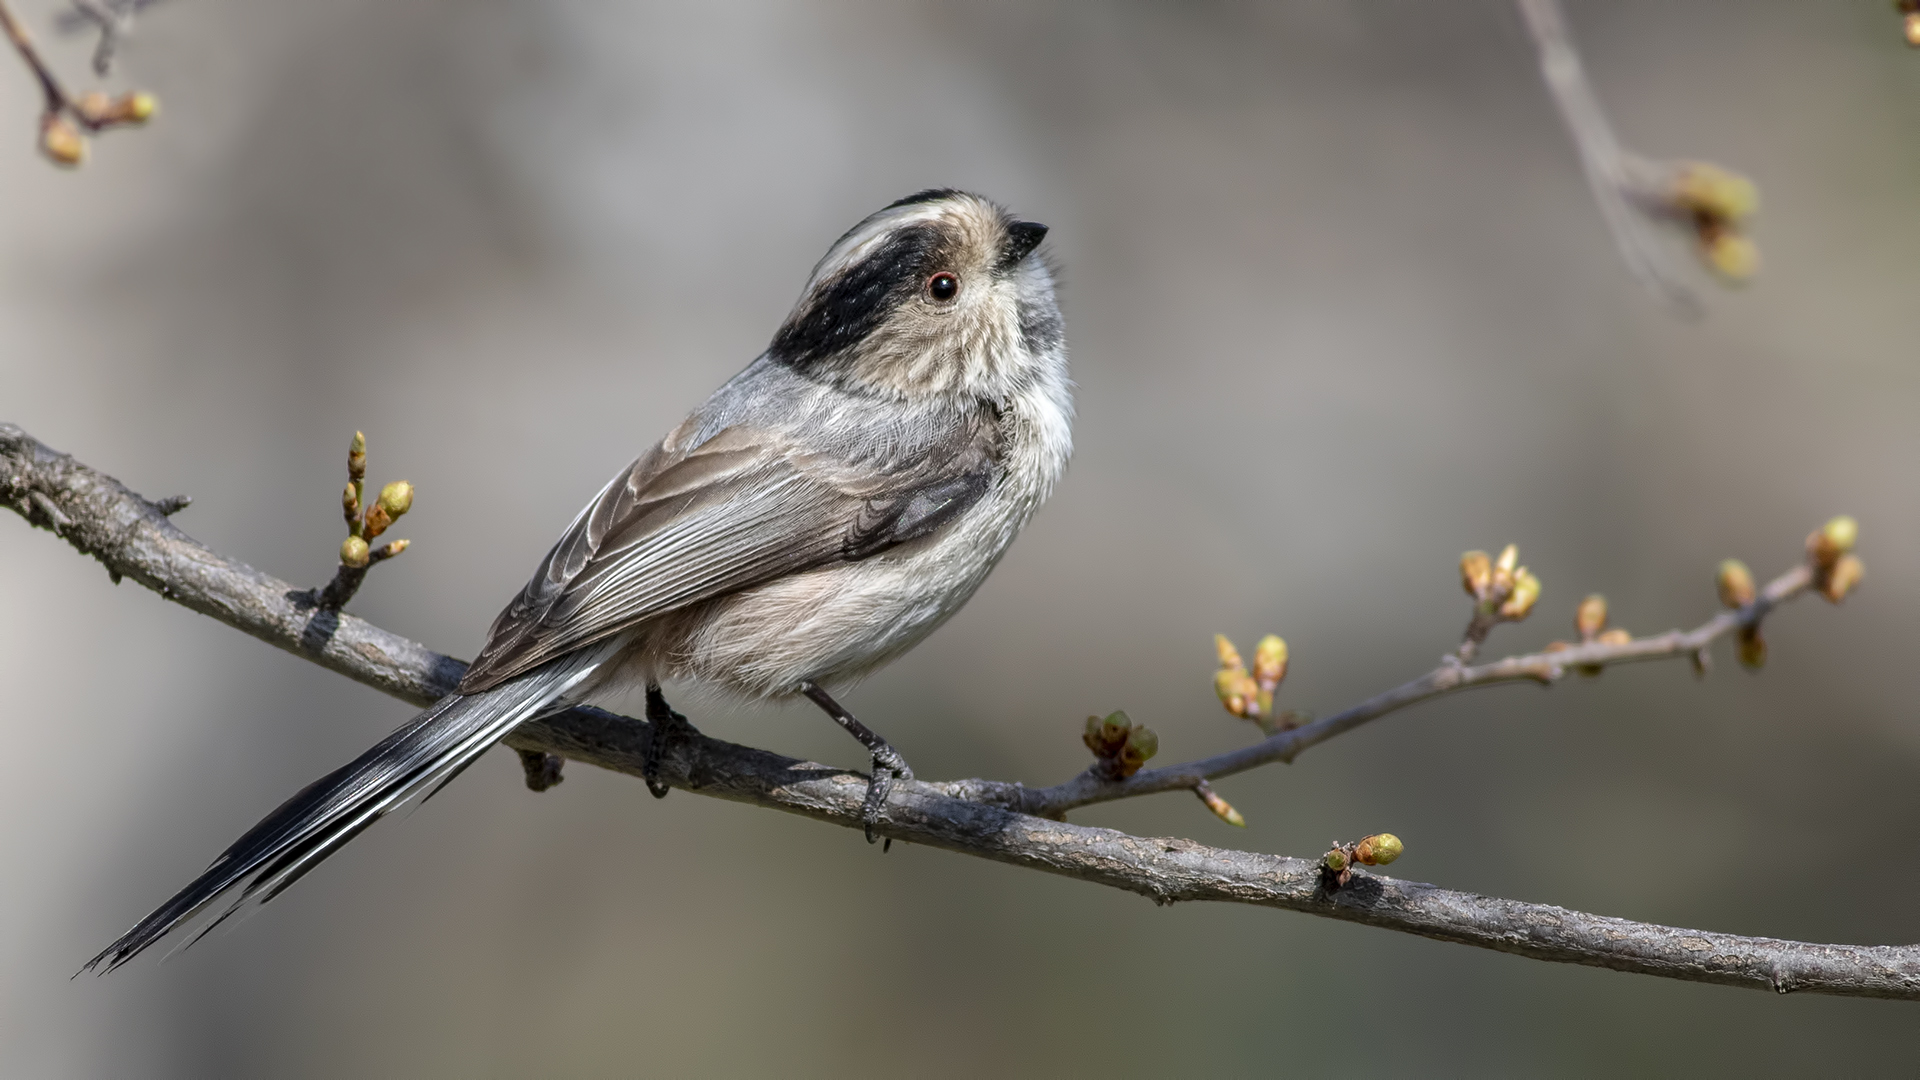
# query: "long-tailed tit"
822,513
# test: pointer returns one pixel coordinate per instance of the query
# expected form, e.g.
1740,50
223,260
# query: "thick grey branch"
134,539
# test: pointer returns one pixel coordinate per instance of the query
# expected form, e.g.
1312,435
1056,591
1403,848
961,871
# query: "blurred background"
1340,307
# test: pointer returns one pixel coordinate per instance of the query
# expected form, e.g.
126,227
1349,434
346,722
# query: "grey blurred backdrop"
1340,307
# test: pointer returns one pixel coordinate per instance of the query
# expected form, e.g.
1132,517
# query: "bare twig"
56,97
131,537
113,19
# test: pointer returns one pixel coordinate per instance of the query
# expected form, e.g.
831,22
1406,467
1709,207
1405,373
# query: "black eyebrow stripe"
848,307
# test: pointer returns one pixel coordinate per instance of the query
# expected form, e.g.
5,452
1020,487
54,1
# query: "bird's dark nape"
326,814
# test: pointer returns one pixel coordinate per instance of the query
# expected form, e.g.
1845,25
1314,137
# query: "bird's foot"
670,729
888,766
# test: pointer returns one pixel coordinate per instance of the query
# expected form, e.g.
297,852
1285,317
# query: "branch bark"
133,538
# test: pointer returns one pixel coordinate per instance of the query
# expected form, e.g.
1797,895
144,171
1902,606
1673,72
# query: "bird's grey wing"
745,507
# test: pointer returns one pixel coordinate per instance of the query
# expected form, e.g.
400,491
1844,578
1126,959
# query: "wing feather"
741,508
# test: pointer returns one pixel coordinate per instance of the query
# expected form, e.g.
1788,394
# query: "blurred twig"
113,19
64,117
1633,192
132,537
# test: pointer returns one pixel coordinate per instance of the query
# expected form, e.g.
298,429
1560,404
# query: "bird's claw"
888,766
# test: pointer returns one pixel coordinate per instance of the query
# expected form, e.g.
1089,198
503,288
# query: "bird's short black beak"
1022,238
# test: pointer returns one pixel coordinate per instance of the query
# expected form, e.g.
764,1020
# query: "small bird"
822,513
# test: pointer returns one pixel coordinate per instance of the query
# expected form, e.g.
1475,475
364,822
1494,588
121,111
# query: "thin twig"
131,537
1612,173
56,97
1542,667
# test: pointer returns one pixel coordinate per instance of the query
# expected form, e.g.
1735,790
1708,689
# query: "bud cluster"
63,141
1336,866
1119,745
1715,203
1502,591
1248,693
1836,569
365,526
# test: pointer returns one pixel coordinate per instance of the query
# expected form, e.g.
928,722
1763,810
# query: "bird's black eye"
943,286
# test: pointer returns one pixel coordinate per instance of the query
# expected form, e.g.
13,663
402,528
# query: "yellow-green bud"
1616,636
61,141
1335,860
350,500
354,553
1141,743
1235,689
1590,617
1229,656
1526,590
396,498
1735,583
1270,661
1910,26
1378,849
1220,807
1731,255
1476,573
137,107
1833,540
1843,577
1716,192
1508,560
357,457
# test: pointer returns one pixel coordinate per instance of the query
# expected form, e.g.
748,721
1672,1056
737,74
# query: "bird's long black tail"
317,822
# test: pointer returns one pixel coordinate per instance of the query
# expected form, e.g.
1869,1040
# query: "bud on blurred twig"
1220,807
1590,617
1476,573
61,141
1735,583
1502,589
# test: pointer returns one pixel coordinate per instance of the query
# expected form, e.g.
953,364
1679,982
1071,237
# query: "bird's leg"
888,765
669,727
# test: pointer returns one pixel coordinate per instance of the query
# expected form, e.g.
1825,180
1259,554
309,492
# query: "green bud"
354,553
1378,849
396,498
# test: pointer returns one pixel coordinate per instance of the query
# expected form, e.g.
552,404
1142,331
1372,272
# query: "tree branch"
1545,668
133,538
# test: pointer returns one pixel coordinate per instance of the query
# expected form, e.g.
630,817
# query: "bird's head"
940,295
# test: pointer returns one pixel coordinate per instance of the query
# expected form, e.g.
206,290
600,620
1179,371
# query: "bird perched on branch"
823,512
